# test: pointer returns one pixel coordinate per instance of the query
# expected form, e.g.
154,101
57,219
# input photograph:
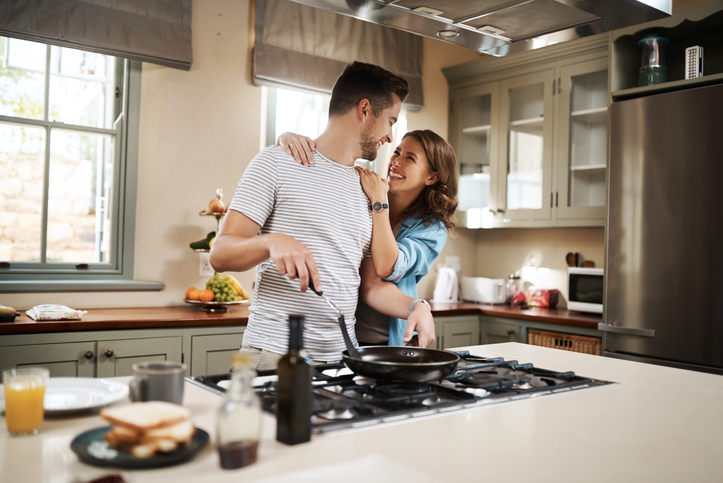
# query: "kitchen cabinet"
211,349
458,331
91,354
496,330
530,133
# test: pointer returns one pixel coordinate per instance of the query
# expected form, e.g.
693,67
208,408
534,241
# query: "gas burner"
477,391
520,382
334,409
401,388
431,400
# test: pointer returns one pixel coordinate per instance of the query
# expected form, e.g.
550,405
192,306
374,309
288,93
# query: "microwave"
585,289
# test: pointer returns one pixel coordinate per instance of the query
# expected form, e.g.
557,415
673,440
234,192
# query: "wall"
199,130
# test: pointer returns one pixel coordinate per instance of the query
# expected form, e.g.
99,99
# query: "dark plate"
8,317
92,449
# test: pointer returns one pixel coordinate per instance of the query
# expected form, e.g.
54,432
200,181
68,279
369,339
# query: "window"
307,113
68,128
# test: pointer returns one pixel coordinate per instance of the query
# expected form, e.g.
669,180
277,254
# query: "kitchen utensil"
408,364
570,259
652,67
483,290
158,381
91,448
446,290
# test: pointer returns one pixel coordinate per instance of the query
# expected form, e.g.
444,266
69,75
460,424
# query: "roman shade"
305,47
156,31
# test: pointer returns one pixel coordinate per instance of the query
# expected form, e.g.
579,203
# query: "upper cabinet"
530,133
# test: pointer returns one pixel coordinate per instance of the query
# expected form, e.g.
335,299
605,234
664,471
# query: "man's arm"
385,297
238,248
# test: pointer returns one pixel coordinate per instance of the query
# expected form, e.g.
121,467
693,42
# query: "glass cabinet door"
526,103
581,187
473,136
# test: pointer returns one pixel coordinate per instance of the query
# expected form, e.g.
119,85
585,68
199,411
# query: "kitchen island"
656,424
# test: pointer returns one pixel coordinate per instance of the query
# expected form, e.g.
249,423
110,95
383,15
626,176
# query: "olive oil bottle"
293,389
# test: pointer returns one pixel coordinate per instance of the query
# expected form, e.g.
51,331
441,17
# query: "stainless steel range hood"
500,27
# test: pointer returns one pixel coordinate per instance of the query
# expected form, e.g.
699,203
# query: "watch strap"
378,206
415,302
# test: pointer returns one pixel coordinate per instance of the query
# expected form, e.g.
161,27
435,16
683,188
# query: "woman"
421,187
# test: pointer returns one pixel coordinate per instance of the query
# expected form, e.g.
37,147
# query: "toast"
144,416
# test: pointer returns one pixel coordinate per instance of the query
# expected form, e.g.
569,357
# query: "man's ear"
364,110
432,179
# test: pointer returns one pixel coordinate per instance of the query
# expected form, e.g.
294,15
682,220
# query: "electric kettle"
446,289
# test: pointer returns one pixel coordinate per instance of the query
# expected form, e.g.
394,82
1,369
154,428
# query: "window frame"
117,273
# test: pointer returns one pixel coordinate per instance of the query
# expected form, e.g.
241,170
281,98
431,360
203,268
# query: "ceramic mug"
158,381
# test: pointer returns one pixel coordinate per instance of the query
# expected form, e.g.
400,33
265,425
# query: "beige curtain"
156,31
301,46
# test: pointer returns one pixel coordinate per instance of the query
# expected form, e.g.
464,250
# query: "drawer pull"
109,353
88,355
510,331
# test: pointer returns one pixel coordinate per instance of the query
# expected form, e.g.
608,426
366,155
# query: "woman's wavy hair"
440,199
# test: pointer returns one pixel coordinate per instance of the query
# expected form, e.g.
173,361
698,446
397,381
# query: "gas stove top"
343,400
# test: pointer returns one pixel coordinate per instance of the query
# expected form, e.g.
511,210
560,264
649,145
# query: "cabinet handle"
510,331
109,353
88,355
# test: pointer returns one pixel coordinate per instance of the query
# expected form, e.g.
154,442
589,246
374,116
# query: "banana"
238,288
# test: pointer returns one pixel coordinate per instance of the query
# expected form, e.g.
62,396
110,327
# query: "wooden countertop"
192,316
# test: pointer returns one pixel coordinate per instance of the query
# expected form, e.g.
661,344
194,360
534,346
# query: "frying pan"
404,364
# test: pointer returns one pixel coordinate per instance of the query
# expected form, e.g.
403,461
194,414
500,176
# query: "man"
304,225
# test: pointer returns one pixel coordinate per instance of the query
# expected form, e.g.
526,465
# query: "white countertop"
657,425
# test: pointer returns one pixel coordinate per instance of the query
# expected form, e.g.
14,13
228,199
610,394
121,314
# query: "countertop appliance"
664,264
446,289
343,400
500,27
483,290
585,289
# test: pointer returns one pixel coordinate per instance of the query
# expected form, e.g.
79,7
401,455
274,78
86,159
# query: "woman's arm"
384,245
298,146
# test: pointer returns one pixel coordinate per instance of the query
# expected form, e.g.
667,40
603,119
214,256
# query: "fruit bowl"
218,307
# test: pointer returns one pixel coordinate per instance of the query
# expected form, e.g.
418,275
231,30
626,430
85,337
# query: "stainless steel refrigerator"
663,299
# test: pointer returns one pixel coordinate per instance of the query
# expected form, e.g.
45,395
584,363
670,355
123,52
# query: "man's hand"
422,321
294,259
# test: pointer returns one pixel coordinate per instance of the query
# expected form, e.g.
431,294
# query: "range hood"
500,27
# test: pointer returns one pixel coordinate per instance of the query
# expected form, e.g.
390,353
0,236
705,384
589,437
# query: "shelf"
667,87
476,129
591,116
589,167
527,122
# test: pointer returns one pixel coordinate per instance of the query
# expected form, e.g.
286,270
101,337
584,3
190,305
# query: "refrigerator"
663,300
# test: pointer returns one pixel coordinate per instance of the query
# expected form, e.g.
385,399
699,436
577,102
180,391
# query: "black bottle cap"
296,331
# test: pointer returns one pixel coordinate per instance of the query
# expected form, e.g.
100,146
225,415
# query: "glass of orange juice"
24,393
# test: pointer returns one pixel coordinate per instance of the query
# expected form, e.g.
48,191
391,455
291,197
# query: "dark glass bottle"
293,389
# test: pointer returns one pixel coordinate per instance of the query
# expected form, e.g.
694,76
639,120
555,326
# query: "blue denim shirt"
419,247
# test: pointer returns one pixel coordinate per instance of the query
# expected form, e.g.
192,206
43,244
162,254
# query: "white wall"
199,129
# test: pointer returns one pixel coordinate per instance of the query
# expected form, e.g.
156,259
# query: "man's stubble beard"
368,145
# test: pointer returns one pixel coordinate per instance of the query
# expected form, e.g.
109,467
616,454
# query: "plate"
91,448
71,394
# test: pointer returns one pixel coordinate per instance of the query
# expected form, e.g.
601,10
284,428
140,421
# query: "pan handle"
340,319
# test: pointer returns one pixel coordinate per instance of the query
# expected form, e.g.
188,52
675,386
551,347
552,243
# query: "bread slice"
180,432
120,435
144,416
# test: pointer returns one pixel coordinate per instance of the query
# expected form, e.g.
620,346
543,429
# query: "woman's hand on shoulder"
298,146
373,185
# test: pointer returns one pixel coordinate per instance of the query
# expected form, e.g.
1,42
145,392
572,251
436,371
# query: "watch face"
377,206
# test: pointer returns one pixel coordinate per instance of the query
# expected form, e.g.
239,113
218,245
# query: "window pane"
22,151
81,87
80,181
22,78
301,112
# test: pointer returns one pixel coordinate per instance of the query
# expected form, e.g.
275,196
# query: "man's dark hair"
366,81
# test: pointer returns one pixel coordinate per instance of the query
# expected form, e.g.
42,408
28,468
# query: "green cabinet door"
460,332
497,332
211,354
74,359
116,357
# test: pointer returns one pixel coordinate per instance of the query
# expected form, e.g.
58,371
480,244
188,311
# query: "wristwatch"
415,302
378,207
